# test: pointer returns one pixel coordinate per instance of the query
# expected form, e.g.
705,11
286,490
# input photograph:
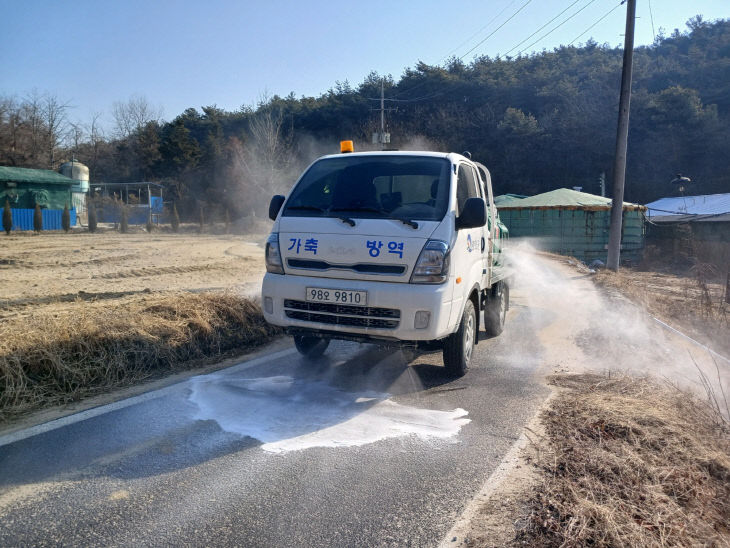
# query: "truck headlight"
432,266
273,256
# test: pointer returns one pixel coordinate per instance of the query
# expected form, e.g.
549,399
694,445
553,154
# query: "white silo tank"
80,187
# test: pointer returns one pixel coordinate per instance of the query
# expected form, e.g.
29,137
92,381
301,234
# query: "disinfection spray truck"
395,248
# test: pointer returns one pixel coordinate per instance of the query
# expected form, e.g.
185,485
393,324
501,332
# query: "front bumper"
406,298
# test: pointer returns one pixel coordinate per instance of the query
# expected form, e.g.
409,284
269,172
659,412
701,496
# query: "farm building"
504,199
691,226
24,188
143,201
573,223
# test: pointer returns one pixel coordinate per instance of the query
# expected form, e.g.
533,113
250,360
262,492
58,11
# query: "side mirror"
275,205
473,215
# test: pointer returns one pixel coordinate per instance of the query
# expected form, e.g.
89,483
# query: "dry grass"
627,462
692,303
60,355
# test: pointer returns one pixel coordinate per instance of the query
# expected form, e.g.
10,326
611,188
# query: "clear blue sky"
186,53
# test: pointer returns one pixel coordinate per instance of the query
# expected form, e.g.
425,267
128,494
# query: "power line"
651,15
542,27
492,20
556,27
609,12
475,47
523,6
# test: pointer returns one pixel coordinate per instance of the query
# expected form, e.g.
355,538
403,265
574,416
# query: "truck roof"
448,155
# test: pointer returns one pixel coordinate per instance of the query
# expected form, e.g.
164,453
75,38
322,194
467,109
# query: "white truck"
394,248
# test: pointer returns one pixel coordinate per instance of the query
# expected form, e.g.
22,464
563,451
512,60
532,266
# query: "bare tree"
32,113
55,119
132,115
96,140
11,123
269,151
75,135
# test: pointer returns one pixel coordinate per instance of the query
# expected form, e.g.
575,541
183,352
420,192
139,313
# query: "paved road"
358,449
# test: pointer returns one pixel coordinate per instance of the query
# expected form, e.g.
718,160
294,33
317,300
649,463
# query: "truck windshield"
406,188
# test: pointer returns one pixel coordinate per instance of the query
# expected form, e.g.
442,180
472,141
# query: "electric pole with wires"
622,136
381,136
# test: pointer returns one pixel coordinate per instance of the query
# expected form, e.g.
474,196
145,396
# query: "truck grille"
360,268
341,314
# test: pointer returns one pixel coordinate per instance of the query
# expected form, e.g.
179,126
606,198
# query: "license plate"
336,296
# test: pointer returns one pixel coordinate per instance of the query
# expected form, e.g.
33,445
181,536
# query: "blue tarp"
23,218
156,204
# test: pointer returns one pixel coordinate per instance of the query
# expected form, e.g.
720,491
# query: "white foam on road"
288,414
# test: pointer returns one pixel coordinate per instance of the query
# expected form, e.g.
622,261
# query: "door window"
465,187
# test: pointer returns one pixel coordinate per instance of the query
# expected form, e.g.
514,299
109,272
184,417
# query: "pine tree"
175,221
7,218
37,219
92,217
227,220
202,218
66,218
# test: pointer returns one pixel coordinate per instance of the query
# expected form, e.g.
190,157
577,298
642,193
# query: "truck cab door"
472,246
490,231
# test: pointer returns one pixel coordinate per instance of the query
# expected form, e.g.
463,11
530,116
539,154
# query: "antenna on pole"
622,137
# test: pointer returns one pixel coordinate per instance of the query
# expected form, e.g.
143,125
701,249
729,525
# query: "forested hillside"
539,122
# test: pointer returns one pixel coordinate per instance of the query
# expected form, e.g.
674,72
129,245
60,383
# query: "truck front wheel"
310,347
459,346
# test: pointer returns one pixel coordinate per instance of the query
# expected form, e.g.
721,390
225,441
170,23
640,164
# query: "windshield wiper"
412,224
346,220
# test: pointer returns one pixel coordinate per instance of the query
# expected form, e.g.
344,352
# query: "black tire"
310,347
459,346
495,313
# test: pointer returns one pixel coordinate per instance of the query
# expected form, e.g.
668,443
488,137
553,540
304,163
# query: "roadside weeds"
56,357
617,461
630,462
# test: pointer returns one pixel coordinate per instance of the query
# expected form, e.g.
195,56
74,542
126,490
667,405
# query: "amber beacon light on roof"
346,146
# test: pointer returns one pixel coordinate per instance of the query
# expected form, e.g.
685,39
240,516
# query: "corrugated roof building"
573,223
708,207
691,228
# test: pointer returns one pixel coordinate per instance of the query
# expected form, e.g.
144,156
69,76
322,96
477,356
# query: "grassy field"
85,313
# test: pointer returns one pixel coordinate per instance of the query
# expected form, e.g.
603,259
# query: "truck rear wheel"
495,312
310,347
459,346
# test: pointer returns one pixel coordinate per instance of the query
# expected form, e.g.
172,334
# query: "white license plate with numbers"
336,296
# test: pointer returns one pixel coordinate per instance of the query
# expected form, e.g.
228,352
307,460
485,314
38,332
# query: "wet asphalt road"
159,472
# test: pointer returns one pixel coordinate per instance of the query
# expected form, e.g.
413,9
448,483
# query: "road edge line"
457,536
67,420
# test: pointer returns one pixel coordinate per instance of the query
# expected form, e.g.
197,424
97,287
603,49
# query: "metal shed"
573,223
691,226
24,188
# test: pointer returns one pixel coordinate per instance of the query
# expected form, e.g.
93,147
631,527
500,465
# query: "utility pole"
622,136
382,114
381,137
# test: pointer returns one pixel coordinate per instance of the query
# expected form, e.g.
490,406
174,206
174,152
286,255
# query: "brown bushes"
60,356
630,463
